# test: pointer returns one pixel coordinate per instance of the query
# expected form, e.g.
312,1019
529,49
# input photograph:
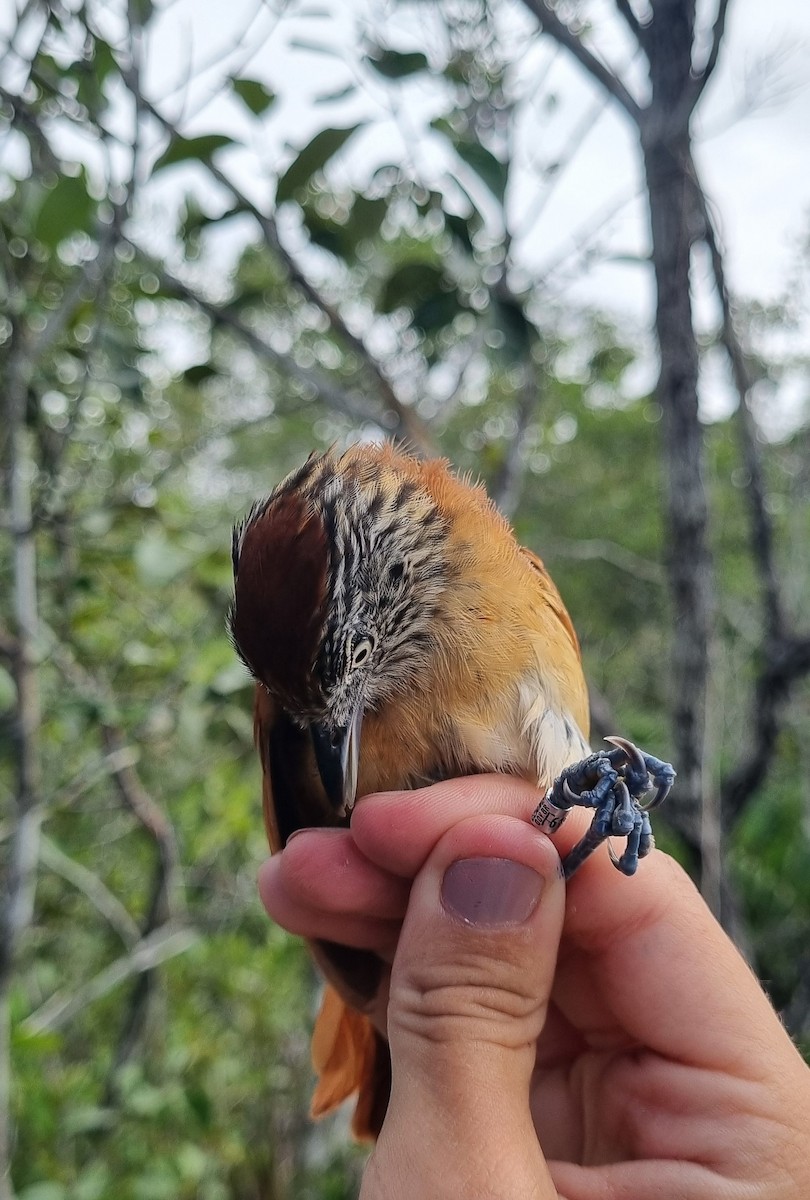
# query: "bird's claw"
613,783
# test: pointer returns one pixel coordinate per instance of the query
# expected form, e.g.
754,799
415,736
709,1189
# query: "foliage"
150,398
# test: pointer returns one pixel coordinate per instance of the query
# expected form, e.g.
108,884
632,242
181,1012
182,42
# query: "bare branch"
508,484
610,552
631,20
555,172
24,852
95,890
95,771
150,816
762,534
409,425
350,404
785,657
565,36
118,759
787,661
162,944
703,76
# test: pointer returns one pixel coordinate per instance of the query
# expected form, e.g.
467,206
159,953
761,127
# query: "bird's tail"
349,1056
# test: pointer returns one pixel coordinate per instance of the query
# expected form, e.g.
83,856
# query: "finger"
469,992
631,1180
398,830
666,974
360,932
323,869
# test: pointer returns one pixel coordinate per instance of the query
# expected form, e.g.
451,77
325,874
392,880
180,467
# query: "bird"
399,634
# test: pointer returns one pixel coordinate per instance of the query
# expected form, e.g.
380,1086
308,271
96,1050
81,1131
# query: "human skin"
595,1040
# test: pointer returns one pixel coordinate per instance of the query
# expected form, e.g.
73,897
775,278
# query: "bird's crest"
281,559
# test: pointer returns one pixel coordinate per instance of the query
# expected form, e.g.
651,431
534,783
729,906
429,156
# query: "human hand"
611,1044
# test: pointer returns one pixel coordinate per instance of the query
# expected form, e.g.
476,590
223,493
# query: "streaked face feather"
363,623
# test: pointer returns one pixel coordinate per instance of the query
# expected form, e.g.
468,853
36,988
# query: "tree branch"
785,656
94,889
703,76
565,36
409,426
508,483
348,403
631,20
159,946
786,661
762,534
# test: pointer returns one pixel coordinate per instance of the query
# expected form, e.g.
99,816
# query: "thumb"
470,987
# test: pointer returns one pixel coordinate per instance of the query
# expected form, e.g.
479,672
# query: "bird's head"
338,579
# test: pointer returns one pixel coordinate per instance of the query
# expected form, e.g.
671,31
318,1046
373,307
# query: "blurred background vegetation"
175,334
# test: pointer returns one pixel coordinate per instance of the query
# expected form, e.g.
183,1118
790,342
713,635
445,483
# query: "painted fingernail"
491,891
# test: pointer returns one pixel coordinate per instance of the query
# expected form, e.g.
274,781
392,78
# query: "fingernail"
491,891
295,833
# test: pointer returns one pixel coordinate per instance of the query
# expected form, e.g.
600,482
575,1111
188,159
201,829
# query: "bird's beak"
337,753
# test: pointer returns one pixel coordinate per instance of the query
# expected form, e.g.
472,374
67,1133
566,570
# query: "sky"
752,133
756,164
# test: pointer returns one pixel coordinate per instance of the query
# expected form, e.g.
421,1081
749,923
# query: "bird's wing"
551,597
347,1053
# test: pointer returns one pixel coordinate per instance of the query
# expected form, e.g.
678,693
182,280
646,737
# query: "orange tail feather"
349,1056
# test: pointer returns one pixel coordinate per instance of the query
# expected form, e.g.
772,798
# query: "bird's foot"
613,783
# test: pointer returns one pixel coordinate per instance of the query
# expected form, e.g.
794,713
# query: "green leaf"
89,1119
67,208
410,285
199,373
181,149
326,233
487,167
200,1104
366,217
393,64
460,229
254,95
93,73
509,317
314,157
436,311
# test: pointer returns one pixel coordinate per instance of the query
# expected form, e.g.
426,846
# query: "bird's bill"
337,753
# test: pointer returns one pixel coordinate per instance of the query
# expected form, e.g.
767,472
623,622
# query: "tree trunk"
671,197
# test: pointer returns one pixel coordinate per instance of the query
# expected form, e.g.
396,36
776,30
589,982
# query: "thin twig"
162,944
784,655
565,36
609,552
762,533
631,20
93,888
702,77
508,485
409,426
349,403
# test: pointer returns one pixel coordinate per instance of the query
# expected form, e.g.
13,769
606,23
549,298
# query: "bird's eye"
396,572
361,652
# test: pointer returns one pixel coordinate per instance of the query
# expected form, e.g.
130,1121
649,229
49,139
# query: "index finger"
398,830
